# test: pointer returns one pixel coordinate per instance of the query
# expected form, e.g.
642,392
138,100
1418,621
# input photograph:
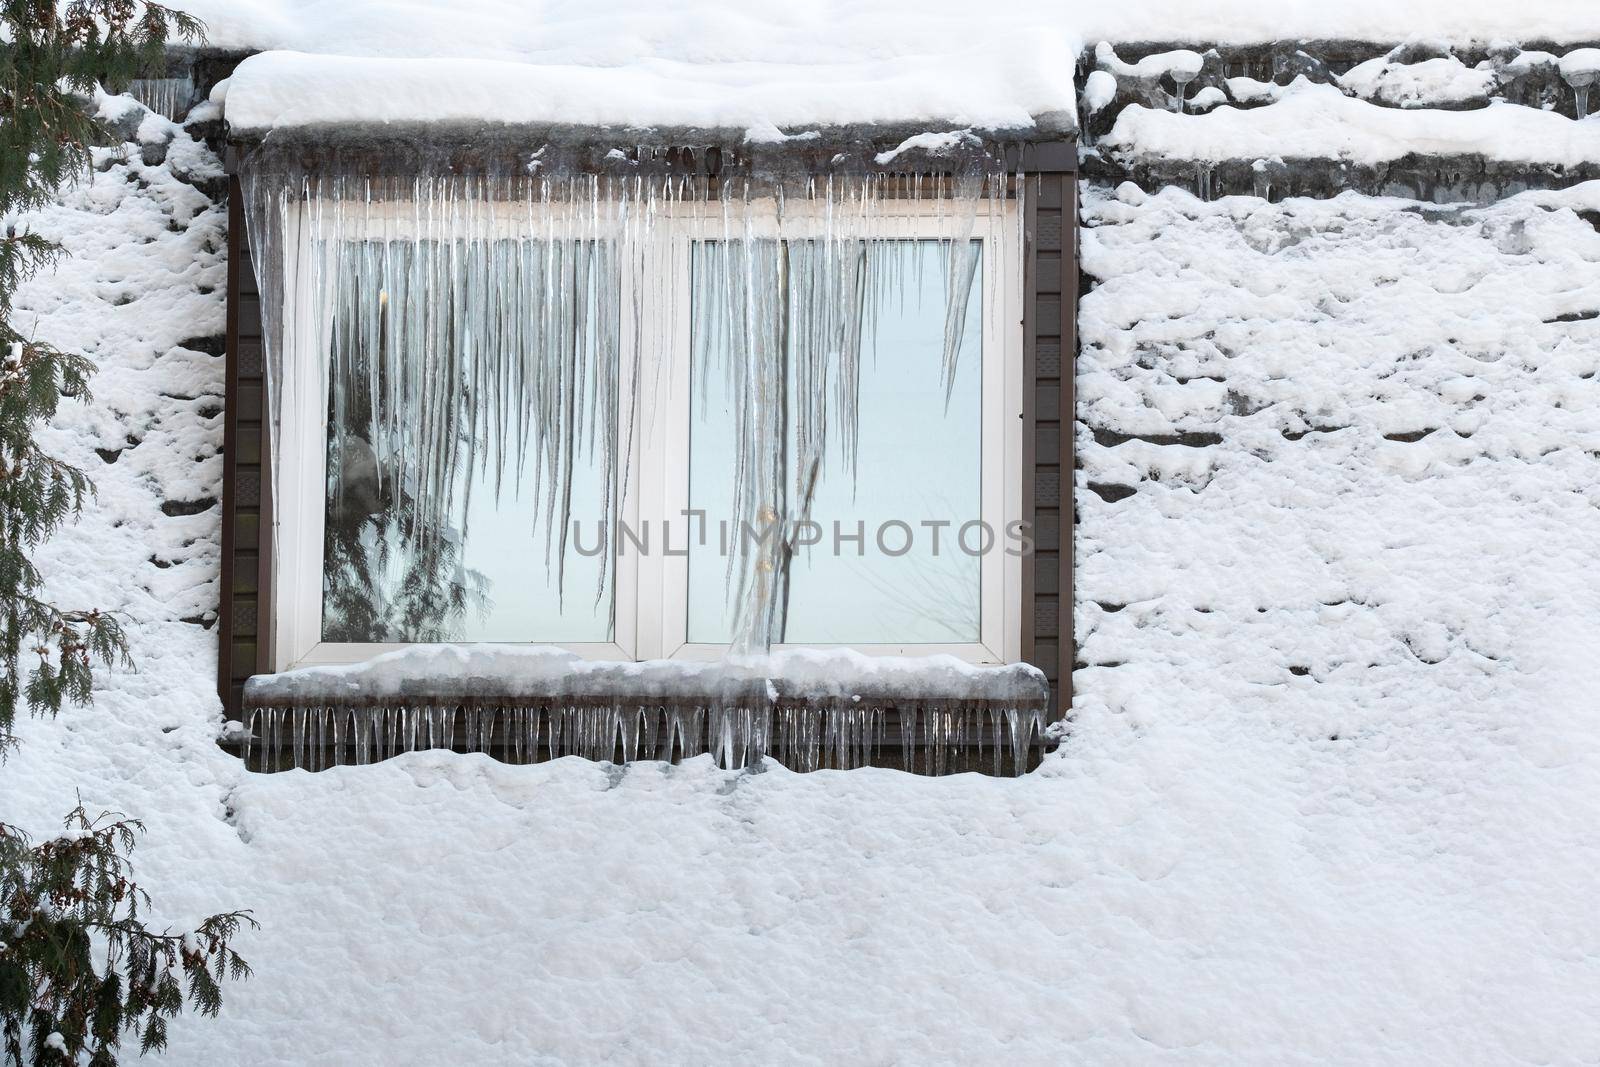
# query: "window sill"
809,709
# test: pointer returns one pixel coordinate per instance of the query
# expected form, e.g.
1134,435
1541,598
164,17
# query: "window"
915,466
467,564
426,498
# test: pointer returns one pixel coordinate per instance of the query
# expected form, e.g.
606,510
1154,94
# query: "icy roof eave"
462,148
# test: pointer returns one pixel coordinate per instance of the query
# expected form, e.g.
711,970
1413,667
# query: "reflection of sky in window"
505,553
919,462
506,545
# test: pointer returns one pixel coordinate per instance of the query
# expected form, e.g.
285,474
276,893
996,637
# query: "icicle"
1261,179
299,728
469,339
908,736
474,324
340,737
1181,78
935,737
168,97
247,742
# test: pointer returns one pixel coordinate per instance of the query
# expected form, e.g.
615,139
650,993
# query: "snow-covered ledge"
806,708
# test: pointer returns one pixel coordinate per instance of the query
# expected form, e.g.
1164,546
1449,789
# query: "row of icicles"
480,324
937,739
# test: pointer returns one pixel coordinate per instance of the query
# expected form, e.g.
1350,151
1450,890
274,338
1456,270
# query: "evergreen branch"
65,899
61,898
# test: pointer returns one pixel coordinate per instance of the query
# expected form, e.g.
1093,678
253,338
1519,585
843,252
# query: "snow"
1581,65
1387,640
764,132
933,144
1182,61
1099,90
539,672
991,87
1312,121
1251,91
1329,796
618,32
1529,61
1431,83
718,66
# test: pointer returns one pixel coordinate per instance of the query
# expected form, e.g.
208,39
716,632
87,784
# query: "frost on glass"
437,447
886,446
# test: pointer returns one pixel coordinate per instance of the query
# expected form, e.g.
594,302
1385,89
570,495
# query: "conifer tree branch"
79,969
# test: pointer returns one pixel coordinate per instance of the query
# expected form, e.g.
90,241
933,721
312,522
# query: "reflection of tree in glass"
939,592
919,590
944,589
384,580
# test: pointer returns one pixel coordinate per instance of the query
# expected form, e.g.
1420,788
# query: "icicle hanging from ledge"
479,320
168,97
934,738
807,710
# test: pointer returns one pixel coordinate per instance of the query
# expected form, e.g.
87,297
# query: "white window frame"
650,592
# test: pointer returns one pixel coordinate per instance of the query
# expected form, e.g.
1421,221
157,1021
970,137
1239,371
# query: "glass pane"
917,476
491,571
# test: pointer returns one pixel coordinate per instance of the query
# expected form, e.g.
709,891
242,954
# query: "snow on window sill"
433,673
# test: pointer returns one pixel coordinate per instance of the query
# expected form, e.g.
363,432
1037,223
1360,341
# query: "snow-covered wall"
1354,832
1442,120
1339,497
1340,459
1339,509
141,292
1325,444
1334,771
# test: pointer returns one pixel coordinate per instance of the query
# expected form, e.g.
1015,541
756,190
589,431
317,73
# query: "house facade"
649,386
1333,352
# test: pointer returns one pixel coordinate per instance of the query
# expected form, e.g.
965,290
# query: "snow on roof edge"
990,91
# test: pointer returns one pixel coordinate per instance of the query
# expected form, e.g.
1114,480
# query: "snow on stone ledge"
509,672
1433,82
987,88
1313,121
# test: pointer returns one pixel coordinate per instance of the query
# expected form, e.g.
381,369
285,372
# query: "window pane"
918,462
491,570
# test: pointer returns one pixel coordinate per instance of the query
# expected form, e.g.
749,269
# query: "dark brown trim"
513,153
241,608
1069,437
230,451
1049,303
